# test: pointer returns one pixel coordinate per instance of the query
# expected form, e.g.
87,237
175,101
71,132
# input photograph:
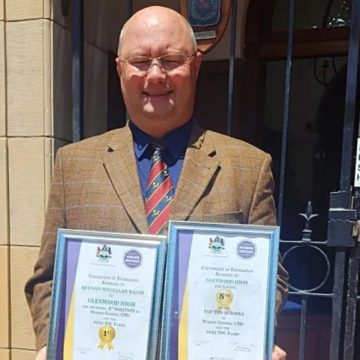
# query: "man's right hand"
41,355
278,353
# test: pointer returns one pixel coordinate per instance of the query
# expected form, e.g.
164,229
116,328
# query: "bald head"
151,17
160,98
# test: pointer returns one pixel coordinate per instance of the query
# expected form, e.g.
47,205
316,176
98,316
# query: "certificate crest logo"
246,249
103,253
224,298
132,259
216,245
106,334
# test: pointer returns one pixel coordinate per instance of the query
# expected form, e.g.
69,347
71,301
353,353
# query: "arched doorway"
313,103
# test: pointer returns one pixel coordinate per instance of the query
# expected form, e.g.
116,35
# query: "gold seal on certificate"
224,298
106,334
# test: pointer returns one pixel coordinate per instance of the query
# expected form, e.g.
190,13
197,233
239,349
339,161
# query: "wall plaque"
208,18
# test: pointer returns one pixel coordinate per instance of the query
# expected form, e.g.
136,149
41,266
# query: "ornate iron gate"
342,224
343,229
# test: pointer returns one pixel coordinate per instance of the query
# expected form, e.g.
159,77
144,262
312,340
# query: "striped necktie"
159,193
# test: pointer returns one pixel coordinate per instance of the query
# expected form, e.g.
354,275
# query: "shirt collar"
176,141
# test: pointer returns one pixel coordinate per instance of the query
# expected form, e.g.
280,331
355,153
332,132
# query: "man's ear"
118,66
197,63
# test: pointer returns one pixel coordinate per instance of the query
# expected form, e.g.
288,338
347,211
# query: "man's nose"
155,70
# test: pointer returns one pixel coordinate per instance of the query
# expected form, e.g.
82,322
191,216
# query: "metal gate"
343,231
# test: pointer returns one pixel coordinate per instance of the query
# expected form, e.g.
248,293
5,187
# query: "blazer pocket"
226,218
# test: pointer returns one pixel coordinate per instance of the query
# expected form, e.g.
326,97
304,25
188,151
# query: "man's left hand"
278,353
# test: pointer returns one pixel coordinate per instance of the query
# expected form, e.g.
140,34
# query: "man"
101,183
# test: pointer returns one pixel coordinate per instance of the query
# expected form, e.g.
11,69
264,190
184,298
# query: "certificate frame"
65,264
176,282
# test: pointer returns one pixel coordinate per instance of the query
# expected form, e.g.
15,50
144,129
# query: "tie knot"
157,151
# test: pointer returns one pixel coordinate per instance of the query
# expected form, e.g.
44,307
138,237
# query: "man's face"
158,100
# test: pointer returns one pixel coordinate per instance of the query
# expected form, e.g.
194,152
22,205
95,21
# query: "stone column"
28,138
35,120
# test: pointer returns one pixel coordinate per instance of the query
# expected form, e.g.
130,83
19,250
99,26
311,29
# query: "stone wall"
35,120
26,152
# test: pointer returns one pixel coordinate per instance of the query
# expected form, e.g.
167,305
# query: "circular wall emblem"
132,259
246,249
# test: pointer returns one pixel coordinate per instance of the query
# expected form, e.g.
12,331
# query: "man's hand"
41,355
278,353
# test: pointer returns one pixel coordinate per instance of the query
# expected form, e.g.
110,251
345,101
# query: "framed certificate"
220,291
107,291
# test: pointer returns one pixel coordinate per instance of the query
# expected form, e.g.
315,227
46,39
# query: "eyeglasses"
166,62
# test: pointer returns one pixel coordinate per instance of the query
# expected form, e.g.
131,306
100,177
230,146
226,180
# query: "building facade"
36,105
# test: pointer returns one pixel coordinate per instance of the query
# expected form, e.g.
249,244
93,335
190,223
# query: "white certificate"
113,300
106,296
227,297
220,291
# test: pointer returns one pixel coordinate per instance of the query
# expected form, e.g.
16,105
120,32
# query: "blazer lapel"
199,167
120,164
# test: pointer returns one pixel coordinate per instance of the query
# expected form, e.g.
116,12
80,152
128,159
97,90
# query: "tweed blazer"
96,187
